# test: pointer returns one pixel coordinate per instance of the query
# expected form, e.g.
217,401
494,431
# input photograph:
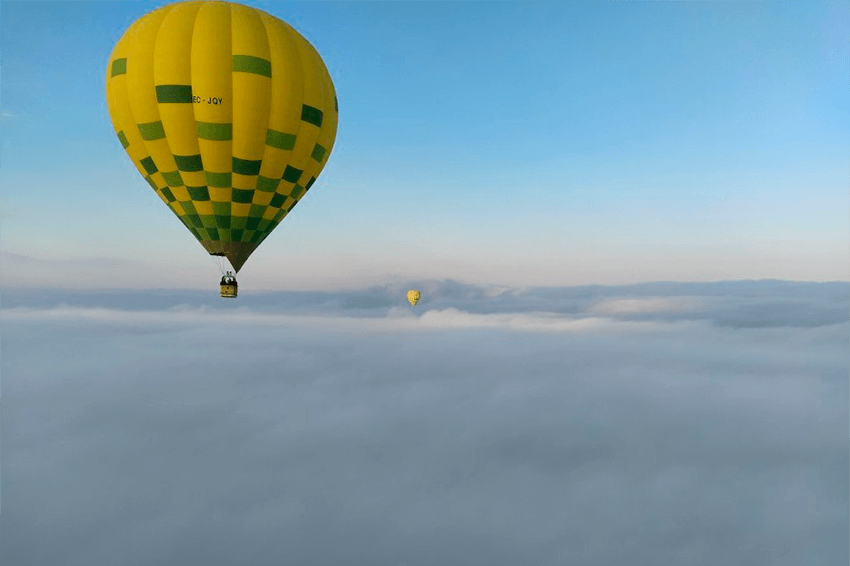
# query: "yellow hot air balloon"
228,113
413,297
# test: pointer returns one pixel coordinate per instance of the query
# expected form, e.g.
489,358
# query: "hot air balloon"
229,115
413,297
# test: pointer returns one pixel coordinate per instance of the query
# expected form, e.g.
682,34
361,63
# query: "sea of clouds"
663,423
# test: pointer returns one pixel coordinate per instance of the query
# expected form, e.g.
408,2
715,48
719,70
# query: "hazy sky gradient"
658,424
507,143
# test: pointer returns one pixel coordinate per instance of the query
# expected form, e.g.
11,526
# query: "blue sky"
505,143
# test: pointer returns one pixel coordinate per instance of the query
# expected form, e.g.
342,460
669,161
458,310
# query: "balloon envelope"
227,112
413,297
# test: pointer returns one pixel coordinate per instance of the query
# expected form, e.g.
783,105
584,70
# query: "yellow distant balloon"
227,112
413,297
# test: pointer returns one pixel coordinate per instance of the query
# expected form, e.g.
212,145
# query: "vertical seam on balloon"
269,115
324,80
230,6
127,90
317,78
332,134
194,118
303,71
286,38
212,231
158,115
233,77
232,108
130,107
159,166
293,41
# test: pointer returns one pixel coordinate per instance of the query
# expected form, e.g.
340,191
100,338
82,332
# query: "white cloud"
528,322
397,320
449,304
266,435
647,305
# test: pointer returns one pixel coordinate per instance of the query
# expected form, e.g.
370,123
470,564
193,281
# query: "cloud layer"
659,424
739,304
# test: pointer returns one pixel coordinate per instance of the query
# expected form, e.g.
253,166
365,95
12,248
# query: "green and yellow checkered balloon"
227,112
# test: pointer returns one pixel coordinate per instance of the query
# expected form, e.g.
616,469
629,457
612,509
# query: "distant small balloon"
413,297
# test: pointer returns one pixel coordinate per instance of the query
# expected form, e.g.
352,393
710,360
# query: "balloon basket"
229,287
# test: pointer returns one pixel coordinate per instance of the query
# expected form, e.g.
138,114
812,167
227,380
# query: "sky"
661,423
497,143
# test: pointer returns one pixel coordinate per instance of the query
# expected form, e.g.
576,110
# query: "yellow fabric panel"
122,117
262,198
211,67
285,187
274,162
141,88
181,193
172,67
118,52
327,132
192,178
220,194
203,207
140,82
158,180
239,209
251,92
312,96
246,182
286,89
328,135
